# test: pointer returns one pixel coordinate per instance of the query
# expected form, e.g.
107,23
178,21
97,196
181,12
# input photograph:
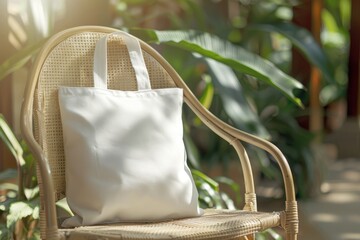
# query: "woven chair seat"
214,224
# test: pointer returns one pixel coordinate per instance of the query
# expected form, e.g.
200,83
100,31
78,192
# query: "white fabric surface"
124,151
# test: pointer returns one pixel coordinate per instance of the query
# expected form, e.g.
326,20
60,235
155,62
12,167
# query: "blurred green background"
274,68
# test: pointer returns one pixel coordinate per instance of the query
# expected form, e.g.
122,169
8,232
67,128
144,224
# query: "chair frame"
235,137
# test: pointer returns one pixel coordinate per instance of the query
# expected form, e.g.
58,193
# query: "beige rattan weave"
66,59
215,224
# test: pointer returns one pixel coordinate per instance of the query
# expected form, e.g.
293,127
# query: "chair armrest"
47,189
232,135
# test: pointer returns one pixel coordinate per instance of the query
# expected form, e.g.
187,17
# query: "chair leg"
290,220
291,236
248,237
244,238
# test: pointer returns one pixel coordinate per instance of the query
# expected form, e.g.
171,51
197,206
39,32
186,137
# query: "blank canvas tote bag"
124,150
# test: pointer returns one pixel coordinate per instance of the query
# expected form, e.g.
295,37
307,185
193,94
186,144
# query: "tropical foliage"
236,57
239,65
19,205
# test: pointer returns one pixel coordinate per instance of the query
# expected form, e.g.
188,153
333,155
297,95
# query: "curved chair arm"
199,110
291,225
226,131
232,135
45,172
26,125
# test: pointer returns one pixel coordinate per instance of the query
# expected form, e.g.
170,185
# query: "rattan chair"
66,59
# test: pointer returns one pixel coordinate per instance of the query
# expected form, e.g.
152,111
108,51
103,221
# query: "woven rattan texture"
214,224
70,63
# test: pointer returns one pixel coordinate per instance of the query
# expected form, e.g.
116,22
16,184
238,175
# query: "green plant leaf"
235,104
5,205
191,150
203,178
62,208
19,59
273,234
210,195
232,184
303,40
20,210
207,96
10,140
229,203
5,233
8,137
225,52
31,193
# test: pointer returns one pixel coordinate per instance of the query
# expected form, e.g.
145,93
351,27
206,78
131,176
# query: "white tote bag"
124,151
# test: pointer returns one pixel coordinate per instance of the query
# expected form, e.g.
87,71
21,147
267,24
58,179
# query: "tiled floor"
335,215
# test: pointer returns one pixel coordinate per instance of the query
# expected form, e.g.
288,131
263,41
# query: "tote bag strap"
136,57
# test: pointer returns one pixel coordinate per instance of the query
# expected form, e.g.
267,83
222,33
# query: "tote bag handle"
136,57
